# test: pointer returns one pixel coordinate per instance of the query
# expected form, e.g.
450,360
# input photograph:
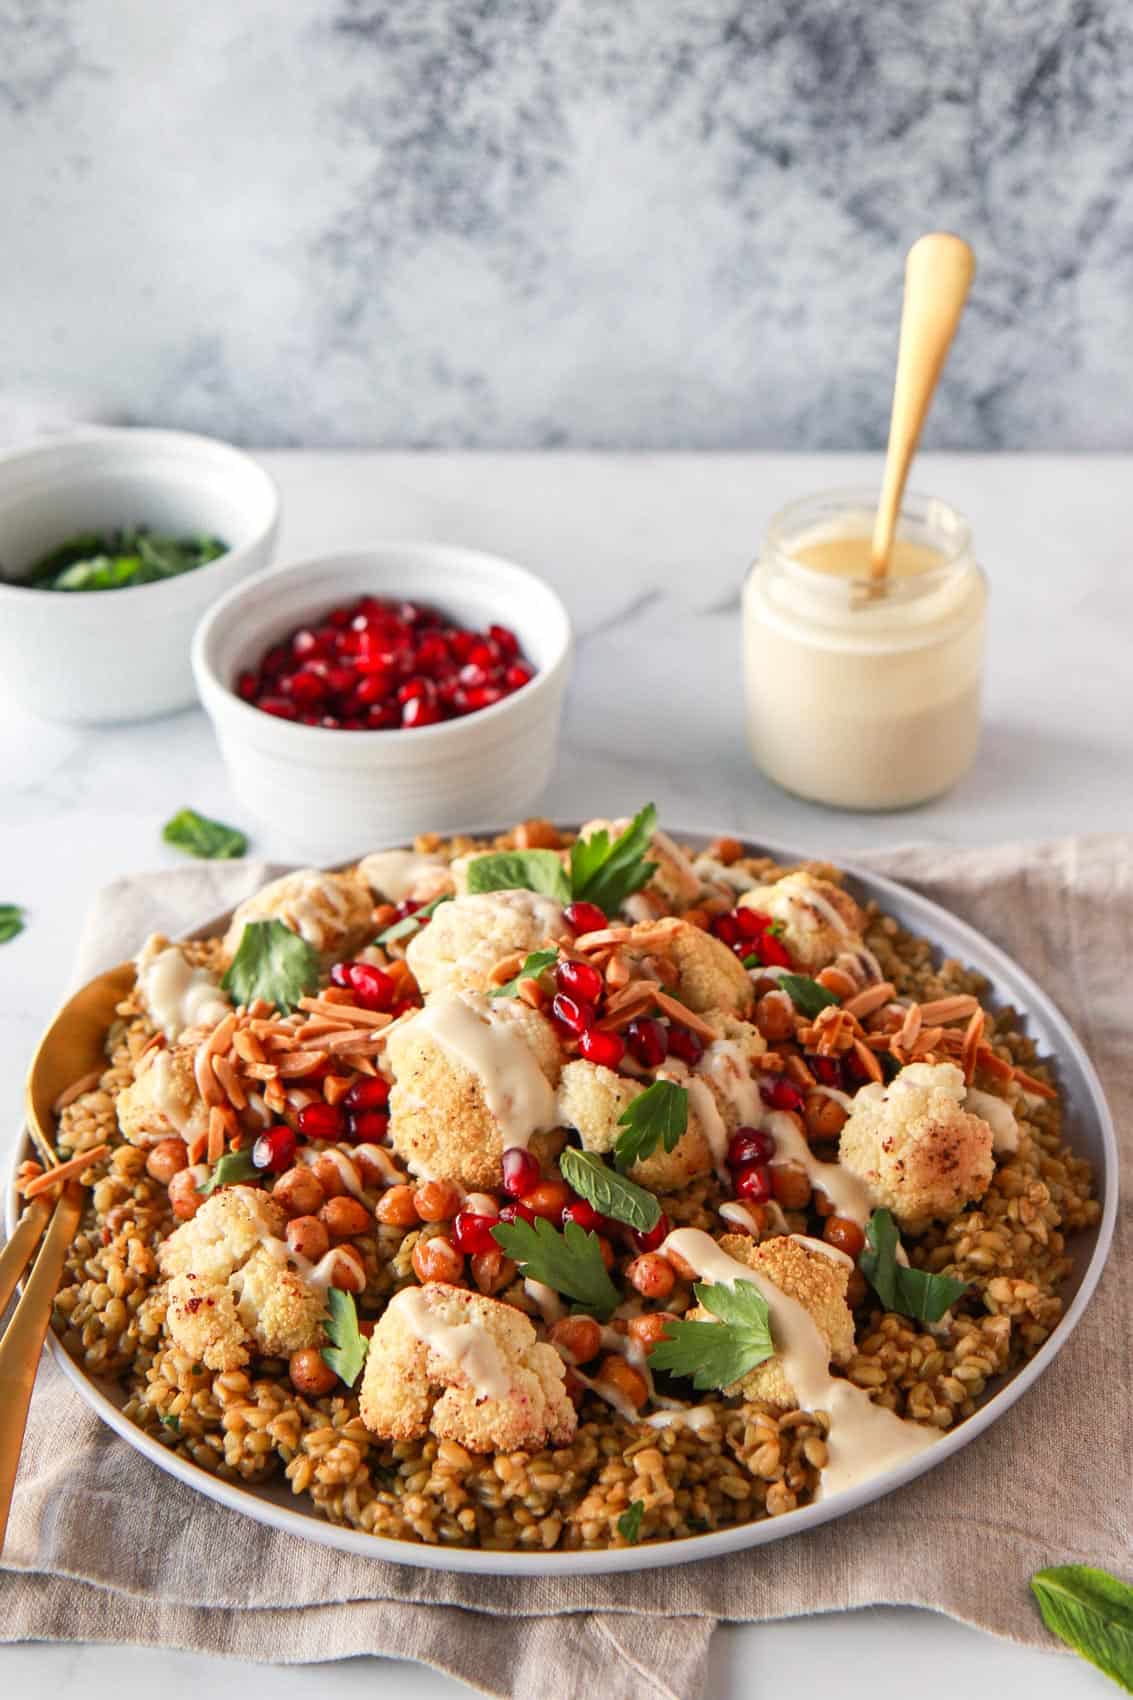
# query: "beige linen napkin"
103,1547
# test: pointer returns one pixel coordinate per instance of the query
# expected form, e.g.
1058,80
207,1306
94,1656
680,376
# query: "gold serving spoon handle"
938,275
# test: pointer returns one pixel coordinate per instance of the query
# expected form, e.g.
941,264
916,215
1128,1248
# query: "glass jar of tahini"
860,694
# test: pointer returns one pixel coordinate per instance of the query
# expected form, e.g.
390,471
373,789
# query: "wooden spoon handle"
938,275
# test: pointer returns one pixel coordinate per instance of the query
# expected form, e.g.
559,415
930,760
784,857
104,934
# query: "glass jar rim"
953,541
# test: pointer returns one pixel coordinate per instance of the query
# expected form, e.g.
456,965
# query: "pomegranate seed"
605,1049
383,717
322,1121
484,696
685,1046
338,617
580,980
372,986
369,1093
781,1095
369,1126
521,1171
371,689
432,653
574,1015
751,923
247,685
279,706
826,1070
584,917
413,688
518,675
305,644
505,641
727,929
651,1240
274,1150
750,1145
648,1040
342,679
584,1213
472,675
419,712
339,975
472,1233
277,660
774,952
513,1209
753,1182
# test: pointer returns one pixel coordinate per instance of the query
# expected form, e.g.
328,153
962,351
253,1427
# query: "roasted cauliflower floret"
394,875
331,911
229,1286
820,920
729,1067
920,1153
472,1076
467,937
817,1281
674,885
466,1367
174,993
164,1100
711,975
592,1099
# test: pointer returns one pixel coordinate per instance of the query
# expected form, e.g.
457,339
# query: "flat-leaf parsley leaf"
659,1115
273,963
347,1351
570,1262
715,1354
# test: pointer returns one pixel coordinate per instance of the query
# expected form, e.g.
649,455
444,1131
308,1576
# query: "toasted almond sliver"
1040,1088
867,1059
335,1087
275,1097
530,992
637,991
910,1027
617,971
248,1047
76,1089
219,1041
64,1171
677,1012
993,1064
871,999
957,1008
507,968
604,936
207,1084
345,1012
214,1149
796,1069
347,1044
261,1071
259,1008
973,1033
195,1149
225,1071
300,1063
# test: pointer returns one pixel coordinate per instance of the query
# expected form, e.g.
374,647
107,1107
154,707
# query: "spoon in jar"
938,275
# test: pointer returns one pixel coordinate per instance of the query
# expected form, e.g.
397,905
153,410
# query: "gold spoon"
938,275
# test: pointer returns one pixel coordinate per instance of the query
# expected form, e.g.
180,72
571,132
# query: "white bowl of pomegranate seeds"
385,691
103,654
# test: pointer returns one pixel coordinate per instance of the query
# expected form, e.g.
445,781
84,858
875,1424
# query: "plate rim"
249,1502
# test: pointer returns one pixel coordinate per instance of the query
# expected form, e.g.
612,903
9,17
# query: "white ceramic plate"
1091,1134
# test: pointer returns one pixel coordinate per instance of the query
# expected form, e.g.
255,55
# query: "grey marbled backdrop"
609,223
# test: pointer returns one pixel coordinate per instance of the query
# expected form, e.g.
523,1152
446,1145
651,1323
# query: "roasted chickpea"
396,1208
835,980
310,1374
823,1115
790,1185
437,1201
775,1016
856,1289
547,1199
307,1237
492,1271
578,1336
349,1272
615,1372
437,1259
844,1235
726,850
326,1171
822,1204
683,1268
651,1275
299,1191
345,1217
537,834
166,1159
604,1247
184,1196
648,1329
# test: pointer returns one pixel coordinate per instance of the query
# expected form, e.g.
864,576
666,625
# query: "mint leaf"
537,963
610,1193
715,1354
232,1167
409,924
605,873
521,870
629,1523
908,1292
659,1115
570,1262
806,994
347,1350
272,963
197,835
1092,1612
11,921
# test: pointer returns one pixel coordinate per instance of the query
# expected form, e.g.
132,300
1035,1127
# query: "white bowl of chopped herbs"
113,542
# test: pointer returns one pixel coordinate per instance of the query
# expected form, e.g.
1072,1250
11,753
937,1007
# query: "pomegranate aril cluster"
748,932
374,666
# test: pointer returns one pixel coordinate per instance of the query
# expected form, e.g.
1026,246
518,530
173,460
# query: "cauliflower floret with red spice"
230,1290
709,975
467,937
820,920
921,1154
592,1100
817,1280
164,1099
468,1368
730,1066
472,1075
333,912
673,886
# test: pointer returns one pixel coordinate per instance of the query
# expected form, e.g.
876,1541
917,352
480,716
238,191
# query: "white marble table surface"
649,553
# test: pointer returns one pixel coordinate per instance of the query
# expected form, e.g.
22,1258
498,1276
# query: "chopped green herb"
406,927
605,873
173,1423
751,960
610,1193
199,836
716,1354
274,963
629,1523
1092,1612
908,1292
570,1262
114,560
657,1115
537,963
232,1167
11,921
806,994
520,870
777,929
347,1351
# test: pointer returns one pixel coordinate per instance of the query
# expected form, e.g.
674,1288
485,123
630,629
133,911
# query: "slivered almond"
225,1071
973,1034
259,1008
219,1041
1040,1088
64,1171
275,1097
867,1059
506,969
957,1008
76,1090
300,1063
993,1064
796,1069
587,942
871,999
248,1047
214,1149
354,1040
530,992
928,1039
357,1016
207,1084
335,1088
910,1027
261,1071
677,1012
617,971
663,969
195,1149
631,993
